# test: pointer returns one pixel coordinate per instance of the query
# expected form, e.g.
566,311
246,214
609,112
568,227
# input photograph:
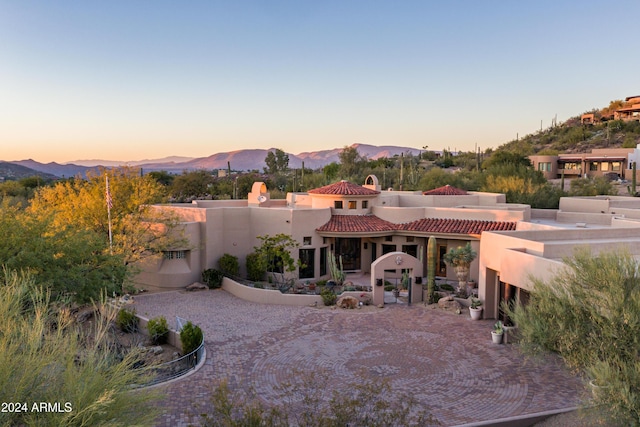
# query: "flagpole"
109,204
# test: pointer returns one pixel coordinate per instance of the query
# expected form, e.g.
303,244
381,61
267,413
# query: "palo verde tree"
67,260
138,230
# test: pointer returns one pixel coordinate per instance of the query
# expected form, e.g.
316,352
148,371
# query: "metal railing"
174,368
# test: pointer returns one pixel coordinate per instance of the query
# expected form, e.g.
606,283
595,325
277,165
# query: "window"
571,166
306,241
593,166
388,248
365,204
605,166
410,239
615,166
410,250
337,204
353,204
544,167
323,261
307,258
174,254
388,238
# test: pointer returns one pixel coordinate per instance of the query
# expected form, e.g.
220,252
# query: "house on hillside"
610,162
631,111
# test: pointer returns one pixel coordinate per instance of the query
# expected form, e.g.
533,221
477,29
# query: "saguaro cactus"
432,253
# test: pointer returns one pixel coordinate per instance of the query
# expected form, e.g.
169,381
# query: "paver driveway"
446,362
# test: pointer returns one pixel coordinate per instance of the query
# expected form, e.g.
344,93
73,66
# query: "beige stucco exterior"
509,261
214,228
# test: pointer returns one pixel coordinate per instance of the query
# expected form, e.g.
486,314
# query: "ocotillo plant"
432,253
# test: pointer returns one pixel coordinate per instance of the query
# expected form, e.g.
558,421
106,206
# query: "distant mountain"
113,163
56,169
317,159
249,159
10,171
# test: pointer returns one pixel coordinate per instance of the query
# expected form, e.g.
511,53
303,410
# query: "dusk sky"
131,80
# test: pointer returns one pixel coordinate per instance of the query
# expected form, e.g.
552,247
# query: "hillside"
13,171
574,137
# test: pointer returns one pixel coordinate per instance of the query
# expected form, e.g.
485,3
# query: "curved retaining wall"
268,296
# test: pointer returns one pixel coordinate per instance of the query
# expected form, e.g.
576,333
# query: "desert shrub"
258,286
256,268
389,288
589,314
446,287
127,321
158,330
308,402
229,265
190,337
328,296
213,278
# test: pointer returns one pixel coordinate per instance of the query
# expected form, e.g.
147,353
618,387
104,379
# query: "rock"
84,315
347,302
315,304
157,349
380,306
449,304
175,355
196,286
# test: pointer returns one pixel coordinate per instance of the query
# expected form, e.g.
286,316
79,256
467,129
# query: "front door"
349,249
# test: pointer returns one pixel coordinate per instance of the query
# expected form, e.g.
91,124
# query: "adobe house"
357,223
598,162
631,111
510,259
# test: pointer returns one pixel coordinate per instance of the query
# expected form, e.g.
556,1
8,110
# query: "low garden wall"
173,339
268,296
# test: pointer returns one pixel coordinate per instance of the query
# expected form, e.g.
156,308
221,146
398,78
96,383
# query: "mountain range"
240,160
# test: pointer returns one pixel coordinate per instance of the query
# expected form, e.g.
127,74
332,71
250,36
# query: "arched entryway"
395,261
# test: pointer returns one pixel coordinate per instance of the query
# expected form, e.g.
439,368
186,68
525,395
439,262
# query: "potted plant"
498,331
475,309
461,258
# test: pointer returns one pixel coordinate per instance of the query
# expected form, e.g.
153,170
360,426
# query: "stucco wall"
266,296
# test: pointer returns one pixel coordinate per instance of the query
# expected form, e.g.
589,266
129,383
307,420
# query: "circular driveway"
445,361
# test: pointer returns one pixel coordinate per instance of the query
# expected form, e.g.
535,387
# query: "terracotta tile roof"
447,190
373,224
457,226
344,188
357,224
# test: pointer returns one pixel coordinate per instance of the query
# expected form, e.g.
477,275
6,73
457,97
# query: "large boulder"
449,303
348,302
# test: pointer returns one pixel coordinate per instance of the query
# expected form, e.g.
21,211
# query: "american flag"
108,196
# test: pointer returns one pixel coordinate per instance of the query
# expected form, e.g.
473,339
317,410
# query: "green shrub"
389,288
229,265
446,287
158,330
328,297
190,337
258,286
213,278
127,321
256,268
